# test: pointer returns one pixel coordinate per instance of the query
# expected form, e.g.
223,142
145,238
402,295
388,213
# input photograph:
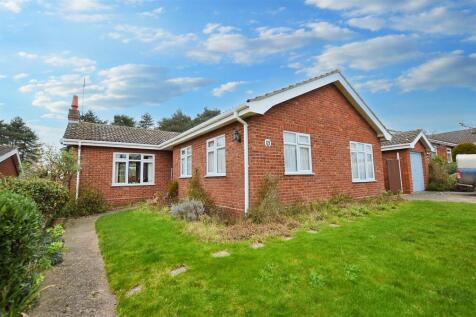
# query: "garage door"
417,172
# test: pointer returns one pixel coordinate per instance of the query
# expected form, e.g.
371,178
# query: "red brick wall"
96,171
405,165
441,151
8,168
226,191
332,122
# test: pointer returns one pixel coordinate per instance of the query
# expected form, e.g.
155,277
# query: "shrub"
22,251
189,210
267,207
452,168
55,243
49,196
90,201
172,192
440,180
463,148
196,191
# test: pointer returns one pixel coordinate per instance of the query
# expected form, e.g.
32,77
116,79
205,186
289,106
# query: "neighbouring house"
446,141
406,161
10,163
318,137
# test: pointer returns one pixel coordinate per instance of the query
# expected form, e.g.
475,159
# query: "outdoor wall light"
236,136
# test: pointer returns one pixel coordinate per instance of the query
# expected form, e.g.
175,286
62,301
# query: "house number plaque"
267,142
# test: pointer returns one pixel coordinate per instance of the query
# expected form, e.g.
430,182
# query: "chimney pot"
74,103
73,114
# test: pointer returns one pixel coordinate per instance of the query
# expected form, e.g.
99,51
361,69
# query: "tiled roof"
291,86
402,137
113,133
456,137
4,149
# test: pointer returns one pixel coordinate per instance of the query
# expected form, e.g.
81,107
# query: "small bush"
195,191
189,210
54,241
172,192
22,252
440,179
452,168
463,148
90,201
50,197
267,207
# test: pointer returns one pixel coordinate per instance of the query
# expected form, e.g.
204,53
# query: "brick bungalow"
445,142
10,163
406,161
318,137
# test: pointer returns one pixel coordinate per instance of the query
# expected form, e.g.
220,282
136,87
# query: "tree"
123,120
91,117
18,134
205,115
146,122
179,122
463,148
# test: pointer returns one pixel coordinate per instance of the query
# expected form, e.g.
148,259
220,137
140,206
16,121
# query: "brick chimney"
73,115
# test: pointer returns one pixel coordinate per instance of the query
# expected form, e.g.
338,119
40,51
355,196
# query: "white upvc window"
449,155
132,169
297,153
362,162
216,160
186,162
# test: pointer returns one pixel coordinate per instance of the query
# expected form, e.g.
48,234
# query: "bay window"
362,162
297,153
133,169
186,162
216,160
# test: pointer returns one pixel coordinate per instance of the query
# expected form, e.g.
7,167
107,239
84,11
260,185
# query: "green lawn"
417,260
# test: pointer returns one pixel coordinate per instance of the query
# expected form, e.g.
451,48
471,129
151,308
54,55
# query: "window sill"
215,175
132,185
298,174
364,181
185,177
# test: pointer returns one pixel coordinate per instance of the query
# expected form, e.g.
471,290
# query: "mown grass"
419,259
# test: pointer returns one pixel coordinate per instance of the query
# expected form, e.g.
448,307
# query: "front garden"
390,258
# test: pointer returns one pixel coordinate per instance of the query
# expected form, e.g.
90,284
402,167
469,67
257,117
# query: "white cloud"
20,76
14,6
374,85
452,69
83,5
84,65
27,55
79,11
226,41
47,134
128,85
366,55
369,22
440,20
370,6
226,87
153,13
159,37
2,76
87,18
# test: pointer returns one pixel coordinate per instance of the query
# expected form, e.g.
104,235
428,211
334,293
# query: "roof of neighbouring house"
405,139
86,131
455,137
4,149
7,152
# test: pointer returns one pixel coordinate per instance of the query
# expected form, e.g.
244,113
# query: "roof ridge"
121,126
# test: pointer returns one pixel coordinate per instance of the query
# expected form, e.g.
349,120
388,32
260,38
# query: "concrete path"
78,286
465,197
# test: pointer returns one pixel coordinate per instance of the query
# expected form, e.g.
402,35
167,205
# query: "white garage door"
417,172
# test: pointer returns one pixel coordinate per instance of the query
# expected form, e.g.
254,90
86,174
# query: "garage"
418,178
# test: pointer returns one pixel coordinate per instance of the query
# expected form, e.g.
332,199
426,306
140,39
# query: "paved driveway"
465,197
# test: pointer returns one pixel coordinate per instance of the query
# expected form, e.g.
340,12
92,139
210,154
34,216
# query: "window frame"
299,170
186,156
449,155
127,161
215,149
367,179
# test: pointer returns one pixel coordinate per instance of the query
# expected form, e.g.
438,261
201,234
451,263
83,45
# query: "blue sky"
414,62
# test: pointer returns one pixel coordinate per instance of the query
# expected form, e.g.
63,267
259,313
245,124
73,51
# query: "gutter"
245,160
79,169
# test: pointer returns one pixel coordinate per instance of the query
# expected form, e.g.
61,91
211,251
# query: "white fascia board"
110,144
425,139
263,105
10,154
396,147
